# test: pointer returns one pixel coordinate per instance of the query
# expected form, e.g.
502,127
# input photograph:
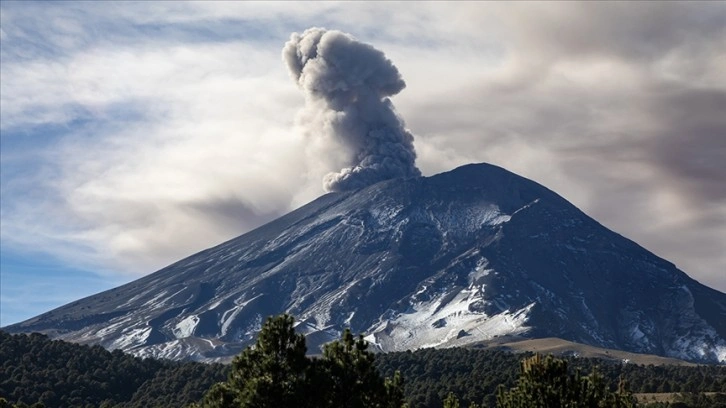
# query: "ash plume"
347,84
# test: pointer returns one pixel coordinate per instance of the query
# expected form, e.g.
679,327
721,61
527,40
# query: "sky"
134,134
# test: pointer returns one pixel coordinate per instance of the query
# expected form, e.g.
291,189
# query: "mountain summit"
448,260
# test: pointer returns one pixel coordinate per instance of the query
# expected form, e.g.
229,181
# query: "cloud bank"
347,84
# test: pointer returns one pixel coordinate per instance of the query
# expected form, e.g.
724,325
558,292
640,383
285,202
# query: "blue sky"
134,134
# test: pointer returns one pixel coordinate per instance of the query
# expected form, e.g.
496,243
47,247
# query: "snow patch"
131,338
229,315
721,354
186,327
480,270
384,215
429,323
349,319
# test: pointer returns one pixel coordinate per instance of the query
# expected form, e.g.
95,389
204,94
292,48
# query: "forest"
38,372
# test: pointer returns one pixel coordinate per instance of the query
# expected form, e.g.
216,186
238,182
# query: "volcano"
454,259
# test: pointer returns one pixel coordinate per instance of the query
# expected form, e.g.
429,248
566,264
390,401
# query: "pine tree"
547,383
276,373
349,376
451,401
273,373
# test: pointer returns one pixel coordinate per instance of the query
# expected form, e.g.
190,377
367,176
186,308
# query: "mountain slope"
447,260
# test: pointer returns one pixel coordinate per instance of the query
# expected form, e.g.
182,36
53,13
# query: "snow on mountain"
448,260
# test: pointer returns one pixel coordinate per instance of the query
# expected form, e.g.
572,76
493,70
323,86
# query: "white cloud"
200,126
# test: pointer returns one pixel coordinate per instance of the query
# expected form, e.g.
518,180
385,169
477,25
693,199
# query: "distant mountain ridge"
447,260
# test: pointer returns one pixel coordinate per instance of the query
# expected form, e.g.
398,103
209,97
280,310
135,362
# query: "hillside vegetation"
37,370
55,373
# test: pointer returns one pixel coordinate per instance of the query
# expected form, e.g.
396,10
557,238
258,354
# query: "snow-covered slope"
439,261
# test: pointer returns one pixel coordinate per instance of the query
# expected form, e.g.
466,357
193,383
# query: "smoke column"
347,84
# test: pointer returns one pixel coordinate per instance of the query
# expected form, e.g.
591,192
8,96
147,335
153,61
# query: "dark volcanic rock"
447,260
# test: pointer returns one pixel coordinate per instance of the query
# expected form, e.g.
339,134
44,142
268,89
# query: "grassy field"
561,347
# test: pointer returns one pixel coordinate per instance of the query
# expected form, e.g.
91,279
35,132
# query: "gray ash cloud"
347,85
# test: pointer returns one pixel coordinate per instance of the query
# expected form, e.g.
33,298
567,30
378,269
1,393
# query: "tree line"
35,370
276,372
